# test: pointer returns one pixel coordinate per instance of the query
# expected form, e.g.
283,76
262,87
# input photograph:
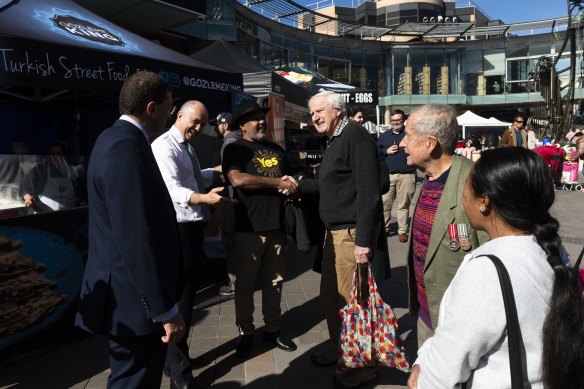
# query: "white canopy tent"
471,119
497,121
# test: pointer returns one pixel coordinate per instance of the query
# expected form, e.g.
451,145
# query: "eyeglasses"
519,121
173,110
396,120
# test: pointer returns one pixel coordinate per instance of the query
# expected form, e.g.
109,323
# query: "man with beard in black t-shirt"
255,169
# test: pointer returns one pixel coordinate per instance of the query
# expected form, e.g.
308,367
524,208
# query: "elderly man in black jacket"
350,207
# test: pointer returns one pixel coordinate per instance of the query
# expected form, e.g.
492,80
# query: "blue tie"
199,178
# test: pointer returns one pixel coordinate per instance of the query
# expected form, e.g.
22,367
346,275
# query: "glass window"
274,56
435,61
454,62
564,63
472,84
495,85
517,52
412,13
494,62
521,69
336,70
278,40
474,61
408,6
427,6
299,59
393,21
420,82
381,20
401,72
371,66
539,50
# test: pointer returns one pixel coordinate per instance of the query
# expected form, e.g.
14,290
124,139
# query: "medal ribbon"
453,232
462,232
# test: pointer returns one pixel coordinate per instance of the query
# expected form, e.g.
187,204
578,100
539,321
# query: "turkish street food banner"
35,64
59,44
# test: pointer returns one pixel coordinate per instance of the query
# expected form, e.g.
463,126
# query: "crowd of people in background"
151,204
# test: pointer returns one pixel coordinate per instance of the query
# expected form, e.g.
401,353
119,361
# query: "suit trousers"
338,268
402,188
191,238
263,254
136,361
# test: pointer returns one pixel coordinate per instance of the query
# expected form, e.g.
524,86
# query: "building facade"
410,52
491,75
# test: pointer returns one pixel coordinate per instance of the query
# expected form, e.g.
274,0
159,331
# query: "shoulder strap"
513,330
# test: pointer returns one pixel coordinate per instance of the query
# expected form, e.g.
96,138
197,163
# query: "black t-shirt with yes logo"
258,209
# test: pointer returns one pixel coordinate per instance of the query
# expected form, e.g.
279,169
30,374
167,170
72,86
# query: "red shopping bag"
387,348
355,330
369,331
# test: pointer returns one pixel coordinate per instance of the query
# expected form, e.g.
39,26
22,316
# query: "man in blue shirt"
402,178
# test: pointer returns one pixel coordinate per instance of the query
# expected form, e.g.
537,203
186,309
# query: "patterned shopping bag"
387,348
355,331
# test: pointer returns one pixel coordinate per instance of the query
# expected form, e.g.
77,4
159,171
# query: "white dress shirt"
176,167
129,119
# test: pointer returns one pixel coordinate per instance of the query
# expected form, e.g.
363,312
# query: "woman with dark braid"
508,194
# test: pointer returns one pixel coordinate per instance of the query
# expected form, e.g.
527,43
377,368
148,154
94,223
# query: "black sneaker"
227,290
280,341
243,347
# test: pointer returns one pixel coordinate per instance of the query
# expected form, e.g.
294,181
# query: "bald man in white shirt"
186,183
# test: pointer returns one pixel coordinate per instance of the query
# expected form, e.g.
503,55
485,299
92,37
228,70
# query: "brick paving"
83,363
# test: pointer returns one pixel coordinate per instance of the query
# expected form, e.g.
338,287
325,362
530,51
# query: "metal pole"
377,118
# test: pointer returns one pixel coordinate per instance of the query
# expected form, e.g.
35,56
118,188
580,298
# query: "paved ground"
83,363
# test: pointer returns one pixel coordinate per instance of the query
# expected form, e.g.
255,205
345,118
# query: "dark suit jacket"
132,269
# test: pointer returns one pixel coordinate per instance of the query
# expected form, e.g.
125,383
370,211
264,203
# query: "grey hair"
438,120
333,99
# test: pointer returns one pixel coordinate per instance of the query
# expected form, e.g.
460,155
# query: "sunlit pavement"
84,364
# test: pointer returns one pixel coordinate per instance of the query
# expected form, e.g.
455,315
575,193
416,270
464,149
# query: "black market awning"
59,44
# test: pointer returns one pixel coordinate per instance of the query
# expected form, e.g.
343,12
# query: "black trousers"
191,237
136,361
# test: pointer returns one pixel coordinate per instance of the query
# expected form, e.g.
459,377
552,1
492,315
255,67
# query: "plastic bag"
369,331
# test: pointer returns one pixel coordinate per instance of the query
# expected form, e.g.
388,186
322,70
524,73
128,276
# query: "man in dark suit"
131,282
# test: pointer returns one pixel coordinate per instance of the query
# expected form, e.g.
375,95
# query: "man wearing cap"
224,130
255,169
186,184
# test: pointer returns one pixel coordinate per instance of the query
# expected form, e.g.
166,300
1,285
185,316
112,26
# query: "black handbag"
515,341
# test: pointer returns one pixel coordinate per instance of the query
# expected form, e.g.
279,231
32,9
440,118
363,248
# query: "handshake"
288,185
